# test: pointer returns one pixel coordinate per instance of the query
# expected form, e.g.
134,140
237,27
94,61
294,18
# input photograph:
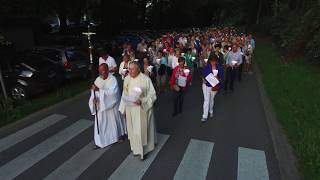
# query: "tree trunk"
259,12
276,8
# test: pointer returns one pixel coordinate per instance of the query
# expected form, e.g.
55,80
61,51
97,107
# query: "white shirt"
170,57
142,47
174,62
110,62
234,56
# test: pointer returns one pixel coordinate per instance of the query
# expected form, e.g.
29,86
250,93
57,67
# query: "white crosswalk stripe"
195,162
78,163
252,165
27,132
34,155
132,168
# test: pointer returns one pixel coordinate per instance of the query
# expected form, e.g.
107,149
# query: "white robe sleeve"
91,104
150,97
109,96
122,106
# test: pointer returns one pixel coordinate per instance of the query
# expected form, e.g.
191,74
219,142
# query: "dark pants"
240,70
178,98
230,75
169,71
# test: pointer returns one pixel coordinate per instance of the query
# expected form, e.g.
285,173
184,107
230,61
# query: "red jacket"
173,78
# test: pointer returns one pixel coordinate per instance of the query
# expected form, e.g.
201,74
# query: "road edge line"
288,164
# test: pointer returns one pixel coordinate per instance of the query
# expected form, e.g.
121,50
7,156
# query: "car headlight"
26,74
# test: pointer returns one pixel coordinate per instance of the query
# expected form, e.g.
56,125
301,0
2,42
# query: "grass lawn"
294,89
11,111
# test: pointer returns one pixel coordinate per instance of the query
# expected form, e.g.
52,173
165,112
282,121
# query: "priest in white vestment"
136,104
105,108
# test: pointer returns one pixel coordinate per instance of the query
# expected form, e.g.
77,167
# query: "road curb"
284,153
32,117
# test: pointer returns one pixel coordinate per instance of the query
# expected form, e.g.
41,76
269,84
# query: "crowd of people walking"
169,63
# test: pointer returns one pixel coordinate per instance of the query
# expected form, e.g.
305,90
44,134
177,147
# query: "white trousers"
208,103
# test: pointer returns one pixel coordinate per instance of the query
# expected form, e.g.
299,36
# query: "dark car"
27,75
75,63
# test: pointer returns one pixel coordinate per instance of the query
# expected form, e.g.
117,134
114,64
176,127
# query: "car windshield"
33,63
74,55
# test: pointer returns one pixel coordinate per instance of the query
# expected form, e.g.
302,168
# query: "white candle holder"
149,68
215,72
186,72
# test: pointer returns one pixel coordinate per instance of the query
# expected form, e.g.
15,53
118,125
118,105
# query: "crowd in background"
172,60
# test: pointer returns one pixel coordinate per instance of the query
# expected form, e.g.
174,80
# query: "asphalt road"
235,144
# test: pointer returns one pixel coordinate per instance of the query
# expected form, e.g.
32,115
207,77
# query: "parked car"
29,74
74,63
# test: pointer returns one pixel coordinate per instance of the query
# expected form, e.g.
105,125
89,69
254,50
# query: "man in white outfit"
110,61
109,126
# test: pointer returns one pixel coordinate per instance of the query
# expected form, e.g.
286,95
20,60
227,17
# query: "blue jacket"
208,69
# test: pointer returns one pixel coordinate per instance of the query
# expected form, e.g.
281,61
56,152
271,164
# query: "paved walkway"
235,144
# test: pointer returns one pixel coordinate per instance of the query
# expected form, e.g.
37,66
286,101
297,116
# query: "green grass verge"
11,111
294,89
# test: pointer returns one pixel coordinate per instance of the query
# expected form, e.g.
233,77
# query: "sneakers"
203,120
211,115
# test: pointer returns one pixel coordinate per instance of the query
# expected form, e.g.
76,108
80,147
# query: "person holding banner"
179,81
109,126
212,82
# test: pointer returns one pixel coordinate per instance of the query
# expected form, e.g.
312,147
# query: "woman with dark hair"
179,82
212,82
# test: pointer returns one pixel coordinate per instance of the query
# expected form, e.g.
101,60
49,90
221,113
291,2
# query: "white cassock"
111,123
140,119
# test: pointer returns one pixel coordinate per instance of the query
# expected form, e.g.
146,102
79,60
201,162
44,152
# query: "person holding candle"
149,70
214,69
189,61
124,65
136,104
179,81
162,68
142,46
234,59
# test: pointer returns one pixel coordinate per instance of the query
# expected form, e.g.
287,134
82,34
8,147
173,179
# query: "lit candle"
215,72
137,92
186,71
149,68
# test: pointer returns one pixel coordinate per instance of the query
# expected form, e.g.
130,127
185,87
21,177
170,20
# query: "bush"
297,34
313,48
